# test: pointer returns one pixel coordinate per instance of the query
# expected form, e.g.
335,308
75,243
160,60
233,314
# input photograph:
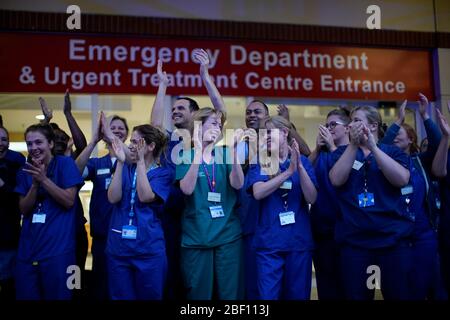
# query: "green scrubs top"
199,229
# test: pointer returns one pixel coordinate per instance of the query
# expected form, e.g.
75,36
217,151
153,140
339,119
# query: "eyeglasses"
333,124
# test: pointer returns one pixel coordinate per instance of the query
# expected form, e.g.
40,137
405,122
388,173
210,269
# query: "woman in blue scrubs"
100,171
283,240
47,186
425,276
325,210
136,257
440,168
377,222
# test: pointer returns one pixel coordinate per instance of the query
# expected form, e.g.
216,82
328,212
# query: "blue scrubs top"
150,237
384,223
56,236
326,208
444,226
422,223
100,172
175,202
270,234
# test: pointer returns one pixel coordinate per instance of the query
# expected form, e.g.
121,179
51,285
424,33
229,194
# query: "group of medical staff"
175,215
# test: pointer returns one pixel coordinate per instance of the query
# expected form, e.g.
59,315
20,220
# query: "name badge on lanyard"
103,171
287,218
129,232
39,217
216,212
366,199
407,190
287,185
213,196
357,165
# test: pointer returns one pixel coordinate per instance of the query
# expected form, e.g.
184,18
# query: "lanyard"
211,184
366,170
133,193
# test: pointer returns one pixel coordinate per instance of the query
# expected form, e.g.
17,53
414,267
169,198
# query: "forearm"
236,175
439,167
157,116
264,189
83,157
65,197
213,93
143,188
79,140
26,203
394,172
308,188
341,170
115,188
391,133
187,184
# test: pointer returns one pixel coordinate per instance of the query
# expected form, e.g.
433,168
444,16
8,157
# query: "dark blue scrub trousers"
395,265
327,266
45,280
251,285
426,279
444,251
284,275
99,279
137,278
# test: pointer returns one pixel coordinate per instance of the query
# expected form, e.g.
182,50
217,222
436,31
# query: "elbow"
147,198
335,181
257,194
187,190
439,173
113,199
312,198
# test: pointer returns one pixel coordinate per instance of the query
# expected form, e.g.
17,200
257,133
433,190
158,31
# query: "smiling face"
39,148
181,113
274,138
337,129
402,140
118,129
212,129
254,112
4,143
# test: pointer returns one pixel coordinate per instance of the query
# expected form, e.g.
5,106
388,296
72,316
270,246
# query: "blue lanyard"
133,192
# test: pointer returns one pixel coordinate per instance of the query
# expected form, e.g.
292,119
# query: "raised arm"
78,137
143,187
236,174
46,111
439,167
395,173
115,188
201,57
157,116
83,157
308,188
264,189
393,129
341,170
26,203
303,146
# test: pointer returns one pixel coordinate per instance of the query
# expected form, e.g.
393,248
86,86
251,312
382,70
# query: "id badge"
103,171
366,200
129,232
287,185
407,190
287,218
357,165
216,212
39,218
214,196
107,183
